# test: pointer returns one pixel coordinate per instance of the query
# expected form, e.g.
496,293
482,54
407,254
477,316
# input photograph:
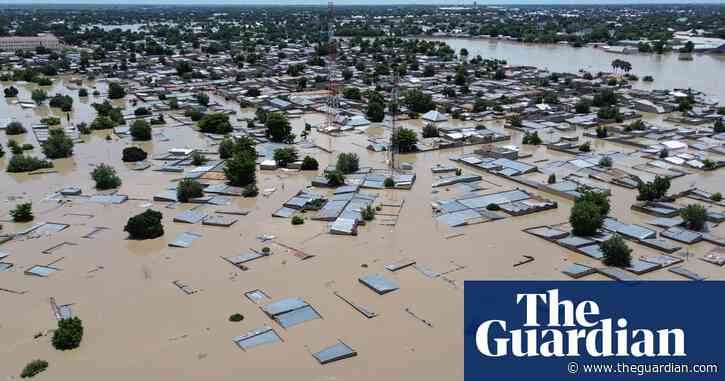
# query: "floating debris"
368,314
185,288
411,313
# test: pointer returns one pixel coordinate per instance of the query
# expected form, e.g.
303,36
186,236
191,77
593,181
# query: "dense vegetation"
188,189
133,154
105,177
146,225
588,213
69,334
34,368
58,145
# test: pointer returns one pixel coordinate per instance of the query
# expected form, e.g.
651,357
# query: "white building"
14,43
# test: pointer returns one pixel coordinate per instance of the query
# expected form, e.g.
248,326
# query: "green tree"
140,130
582,106
335,178
240,169
368,213
430,131
34,368
460,78
285,156
226,148
203,99
375,112
133,154
22,163
229,146
694,216
194,113
480,105
250,190
405,139
141,111
278,128
50,121
531,138
719,126
585,218
102,123
600,199
69,334
418,102
352,93
183,67
188,189
10,92
215,123
116,91
198,158
22,212
616,252
105,177
605,98
146,225
58,145
347,74
657,189
63,102
347,163
39,96
15,128
309,163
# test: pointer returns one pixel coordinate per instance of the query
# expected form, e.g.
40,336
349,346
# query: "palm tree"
616,64
626,66
464,54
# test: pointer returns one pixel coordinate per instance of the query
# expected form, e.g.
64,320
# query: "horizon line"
376,3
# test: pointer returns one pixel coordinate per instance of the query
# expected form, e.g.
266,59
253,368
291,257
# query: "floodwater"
704,72
140,326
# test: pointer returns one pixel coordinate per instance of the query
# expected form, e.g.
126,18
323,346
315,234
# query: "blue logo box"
557,330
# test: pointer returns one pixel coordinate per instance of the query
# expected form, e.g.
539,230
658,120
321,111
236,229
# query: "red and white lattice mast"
393,149
333,102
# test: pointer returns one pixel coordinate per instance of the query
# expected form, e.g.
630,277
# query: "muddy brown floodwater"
703,73
140,326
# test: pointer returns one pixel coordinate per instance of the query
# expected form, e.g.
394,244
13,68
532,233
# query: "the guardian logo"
572,330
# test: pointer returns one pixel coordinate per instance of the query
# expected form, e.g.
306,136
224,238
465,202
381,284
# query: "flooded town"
268,192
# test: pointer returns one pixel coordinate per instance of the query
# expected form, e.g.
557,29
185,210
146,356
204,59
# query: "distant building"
14,43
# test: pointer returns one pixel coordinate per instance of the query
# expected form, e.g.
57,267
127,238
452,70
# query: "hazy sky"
352,2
